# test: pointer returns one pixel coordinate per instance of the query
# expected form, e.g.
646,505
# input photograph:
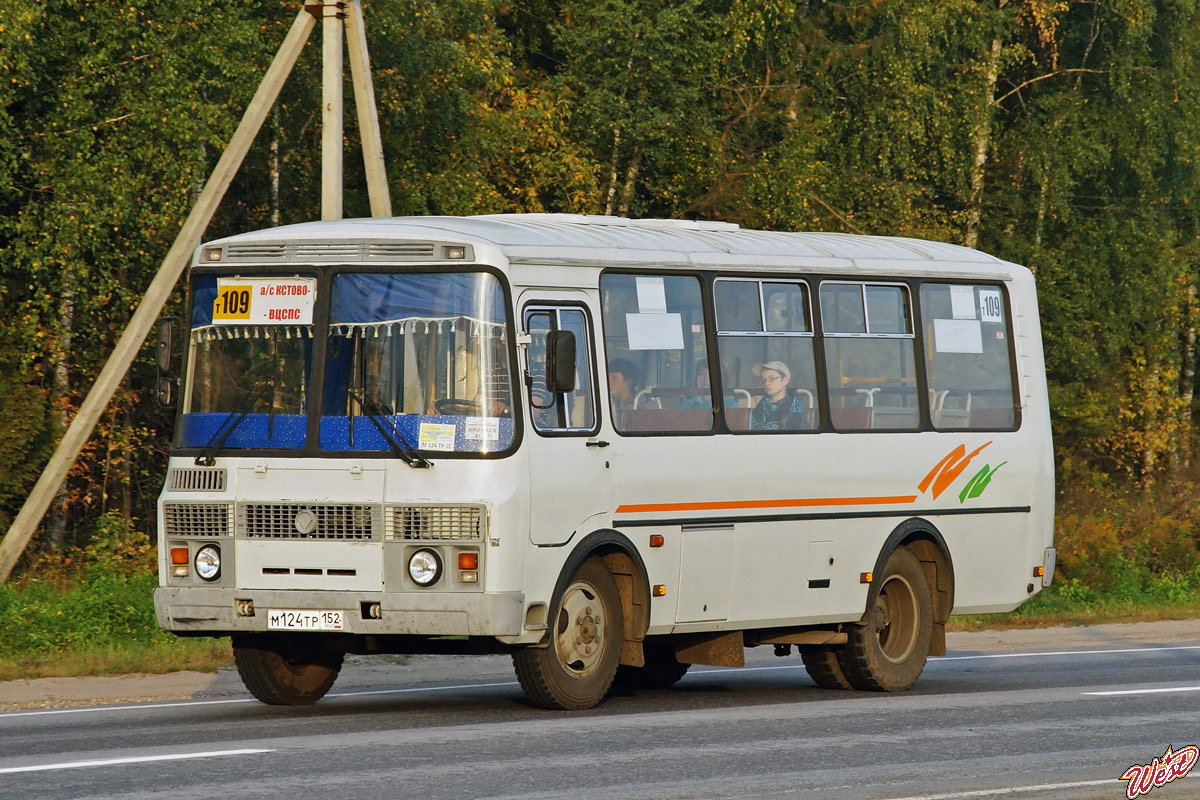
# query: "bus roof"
576,239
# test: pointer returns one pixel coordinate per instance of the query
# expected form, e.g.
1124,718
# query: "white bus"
612,448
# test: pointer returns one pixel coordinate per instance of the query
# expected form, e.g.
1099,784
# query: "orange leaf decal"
949,468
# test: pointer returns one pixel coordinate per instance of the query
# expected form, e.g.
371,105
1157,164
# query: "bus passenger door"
568,478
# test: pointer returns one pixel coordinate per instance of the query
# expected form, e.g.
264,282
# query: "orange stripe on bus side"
742,504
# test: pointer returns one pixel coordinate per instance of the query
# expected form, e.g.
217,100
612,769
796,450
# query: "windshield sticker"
264,301
483,429
437,436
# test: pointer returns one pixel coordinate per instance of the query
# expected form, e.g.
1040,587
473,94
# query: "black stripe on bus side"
946,512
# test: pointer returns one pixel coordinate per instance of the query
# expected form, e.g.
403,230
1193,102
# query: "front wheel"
286,672
575,671
887,652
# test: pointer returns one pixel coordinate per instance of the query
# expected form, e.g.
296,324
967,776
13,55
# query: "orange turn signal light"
866,577
659,590
468,560
179,555
1039,572
656,540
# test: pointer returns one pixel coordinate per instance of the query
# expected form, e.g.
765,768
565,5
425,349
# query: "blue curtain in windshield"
367,298
379,297
204,294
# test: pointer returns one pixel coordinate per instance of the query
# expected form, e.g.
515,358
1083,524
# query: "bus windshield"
415,360
248,370
421,358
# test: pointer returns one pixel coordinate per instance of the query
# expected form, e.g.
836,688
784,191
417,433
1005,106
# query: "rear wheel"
575,671
286,672
887,652
661,670
824,669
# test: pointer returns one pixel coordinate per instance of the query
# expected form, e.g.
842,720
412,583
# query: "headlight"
424,567
208,562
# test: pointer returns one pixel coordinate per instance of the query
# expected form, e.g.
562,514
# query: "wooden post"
368,117
332,110
142,321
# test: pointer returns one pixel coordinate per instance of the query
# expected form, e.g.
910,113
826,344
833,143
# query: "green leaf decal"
977,484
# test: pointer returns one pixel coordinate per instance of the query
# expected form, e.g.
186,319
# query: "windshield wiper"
221,434
406,451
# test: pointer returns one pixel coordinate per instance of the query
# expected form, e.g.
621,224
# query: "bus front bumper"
214,610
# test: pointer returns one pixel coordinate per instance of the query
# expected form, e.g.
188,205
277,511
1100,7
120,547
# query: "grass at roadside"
101,625
200,655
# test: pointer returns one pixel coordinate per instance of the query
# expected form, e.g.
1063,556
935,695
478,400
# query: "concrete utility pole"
331,14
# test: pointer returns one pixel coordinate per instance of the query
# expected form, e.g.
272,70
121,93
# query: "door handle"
600,443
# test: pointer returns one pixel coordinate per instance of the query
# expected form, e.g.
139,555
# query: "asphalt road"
1001,716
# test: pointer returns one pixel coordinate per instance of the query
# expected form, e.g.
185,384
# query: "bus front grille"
428,523
335,522
198,519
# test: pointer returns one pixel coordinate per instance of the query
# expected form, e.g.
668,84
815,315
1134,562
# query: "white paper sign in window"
483,429
962,302
957,336
654,331
652,295
991,308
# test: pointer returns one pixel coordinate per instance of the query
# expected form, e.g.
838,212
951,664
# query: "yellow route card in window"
264,301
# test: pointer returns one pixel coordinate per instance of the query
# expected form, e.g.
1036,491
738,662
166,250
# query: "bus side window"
870,356
967,358
560,412
765,342
659,376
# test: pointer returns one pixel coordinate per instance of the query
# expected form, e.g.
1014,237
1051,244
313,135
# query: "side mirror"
162,350
560,361
165,384
164,392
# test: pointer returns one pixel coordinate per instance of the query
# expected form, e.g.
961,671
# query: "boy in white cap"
778,410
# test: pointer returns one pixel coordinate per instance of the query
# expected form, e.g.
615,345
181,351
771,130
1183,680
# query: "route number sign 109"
264,301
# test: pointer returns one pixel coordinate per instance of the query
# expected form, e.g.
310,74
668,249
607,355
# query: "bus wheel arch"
925,541
909,600
633,585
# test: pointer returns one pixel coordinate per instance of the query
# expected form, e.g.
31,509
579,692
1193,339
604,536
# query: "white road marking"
1045,787
133,760
1066,653
129,707
1147,691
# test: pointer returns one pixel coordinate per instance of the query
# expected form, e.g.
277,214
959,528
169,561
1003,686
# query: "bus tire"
887,651
825,670
661,671
292,674
576,670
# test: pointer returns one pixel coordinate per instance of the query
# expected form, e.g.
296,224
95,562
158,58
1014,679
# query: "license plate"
286,619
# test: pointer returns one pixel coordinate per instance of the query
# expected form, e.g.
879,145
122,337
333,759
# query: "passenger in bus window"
779,409
624,383
703,384
778,318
